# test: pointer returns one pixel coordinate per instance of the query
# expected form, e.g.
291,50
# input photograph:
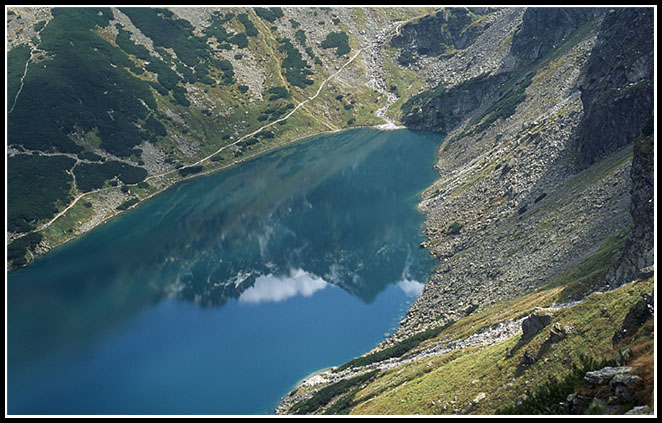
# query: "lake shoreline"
106,219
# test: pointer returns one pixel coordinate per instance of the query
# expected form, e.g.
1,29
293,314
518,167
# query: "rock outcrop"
608,389
636,317
448,29
444,112
617,84
639,248
543,28
534,324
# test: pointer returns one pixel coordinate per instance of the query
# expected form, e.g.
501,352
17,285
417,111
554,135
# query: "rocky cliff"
617,84
617,94
544,28
637,257
443,32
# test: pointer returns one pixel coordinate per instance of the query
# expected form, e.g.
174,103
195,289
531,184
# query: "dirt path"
297,107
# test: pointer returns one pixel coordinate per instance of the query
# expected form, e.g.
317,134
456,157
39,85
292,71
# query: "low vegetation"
296,69
91,176
338,40
398,350
545,399
36,185
17,249
322,397
270,14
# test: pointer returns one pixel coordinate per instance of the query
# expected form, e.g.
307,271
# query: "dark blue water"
219,295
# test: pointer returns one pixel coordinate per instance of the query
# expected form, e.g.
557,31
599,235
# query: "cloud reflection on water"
270,288
411,288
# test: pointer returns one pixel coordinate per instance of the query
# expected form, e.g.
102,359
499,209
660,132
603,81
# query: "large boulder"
534,324
604,375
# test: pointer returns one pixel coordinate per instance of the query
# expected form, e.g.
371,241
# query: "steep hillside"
133,100
532,209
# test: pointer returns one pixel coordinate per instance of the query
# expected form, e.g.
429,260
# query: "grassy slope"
450,382
426,387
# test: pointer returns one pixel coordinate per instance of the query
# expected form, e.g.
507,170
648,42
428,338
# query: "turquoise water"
219,295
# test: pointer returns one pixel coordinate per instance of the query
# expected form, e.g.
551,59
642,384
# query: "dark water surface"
218,295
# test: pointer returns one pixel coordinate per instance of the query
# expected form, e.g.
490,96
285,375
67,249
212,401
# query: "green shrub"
124,41
39,26
278,93
406,57
179,93
270,14
34,185
548,396
397,350
190,170
240,40
265,134
339,41
18,248
168,31
295,67
454,228
506,106
155,127
91,176
251,31
16,60
76,88
300,37
128,203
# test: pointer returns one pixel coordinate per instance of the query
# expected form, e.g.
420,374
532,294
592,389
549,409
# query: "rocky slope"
533,196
